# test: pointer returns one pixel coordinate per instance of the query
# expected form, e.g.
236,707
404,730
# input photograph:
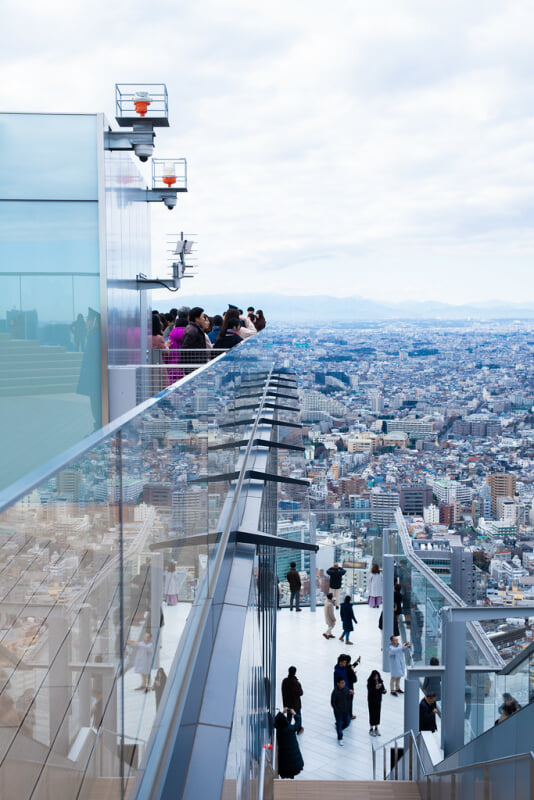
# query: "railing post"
313,563
453,684
410,762
261,781
411,704
387,608
531,776
374,764
487,787
453,786
396,761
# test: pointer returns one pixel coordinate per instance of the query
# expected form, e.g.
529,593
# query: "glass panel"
49,331
60,611
31,168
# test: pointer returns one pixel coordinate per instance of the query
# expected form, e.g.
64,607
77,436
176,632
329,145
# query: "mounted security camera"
170,201
143,151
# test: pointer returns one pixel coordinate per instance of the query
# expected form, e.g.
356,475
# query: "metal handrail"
437,773
495,662
25,485
485,764
154,777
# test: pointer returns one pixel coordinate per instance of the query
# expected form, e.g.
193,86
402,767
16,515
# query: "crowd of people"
190,337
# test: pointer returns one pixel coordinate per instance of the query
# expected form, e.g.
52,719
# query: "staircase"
345,790
29,368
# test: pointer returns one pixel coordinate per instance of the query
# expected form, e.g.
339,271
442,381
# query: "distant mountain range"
280,308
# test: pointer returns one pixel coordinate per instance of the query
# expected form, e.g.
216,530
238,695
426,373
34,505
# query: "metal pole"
156,599
261,781
453,683
387,608
411,705
385,542
313,563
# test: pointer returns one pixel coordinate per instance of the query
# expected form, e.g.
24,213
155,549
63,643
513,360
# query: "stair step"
345,790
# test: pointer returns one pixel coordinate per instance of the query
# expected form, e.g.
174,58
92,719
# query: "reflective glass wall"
94,620
49,287
55,243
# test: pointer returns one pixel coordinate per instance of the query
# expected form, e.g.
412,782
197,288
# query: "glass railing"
487,679
93,619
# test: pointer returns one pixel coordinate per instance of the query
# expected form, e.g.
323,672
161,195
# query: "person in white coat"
171,585
143,660
397,664
375,587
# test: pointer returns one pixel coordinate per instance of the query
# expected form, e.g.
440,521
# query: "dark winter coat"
427,718
347,616
340,700
293,578
374,700
335,574
292,692
227,340
194,338
396,631
290,761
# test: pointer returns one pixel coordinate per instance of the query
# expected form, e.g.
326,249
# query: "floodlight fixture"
140,107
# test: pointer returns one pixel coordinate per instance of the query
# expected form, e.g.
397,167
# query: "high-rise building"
502,484
414,498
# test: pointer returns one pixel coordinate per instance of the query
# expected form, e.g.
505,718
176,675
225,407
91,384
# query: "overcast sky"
380,149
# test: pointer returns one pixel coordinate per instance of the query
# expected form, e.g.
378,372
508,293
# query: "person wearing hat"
427,712
335,574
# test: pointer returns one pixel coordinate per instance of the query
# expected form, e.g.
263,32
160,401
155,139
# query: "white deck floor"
301,644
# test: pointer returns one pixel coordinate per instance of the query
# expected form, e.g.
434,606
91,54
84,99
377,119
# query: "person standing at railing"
295,584
260,320
428,712
335,573
397,664
175,343
215,328
171,585
375,587
230,338
194,338
143,660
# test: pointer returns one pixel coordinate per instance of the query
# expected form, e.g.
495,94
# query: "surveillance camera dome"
170,201
143,151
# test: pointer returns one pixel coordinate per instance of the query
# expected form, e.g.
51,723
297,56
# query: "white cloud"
356,148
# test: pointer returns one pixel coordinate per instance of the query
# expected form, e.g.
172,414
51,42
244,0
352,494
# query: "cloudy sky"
383,149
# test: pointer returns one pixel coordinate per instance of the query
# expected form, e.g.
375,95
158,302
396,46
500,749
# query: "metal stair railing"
408,764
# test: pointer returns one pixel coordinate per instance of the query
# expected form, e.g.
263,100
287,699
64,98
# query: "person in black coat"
335,573
375,690
427,713
295,585
230,337
347,618
194,338
159,685
291,694
290,761
352,679
340,702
